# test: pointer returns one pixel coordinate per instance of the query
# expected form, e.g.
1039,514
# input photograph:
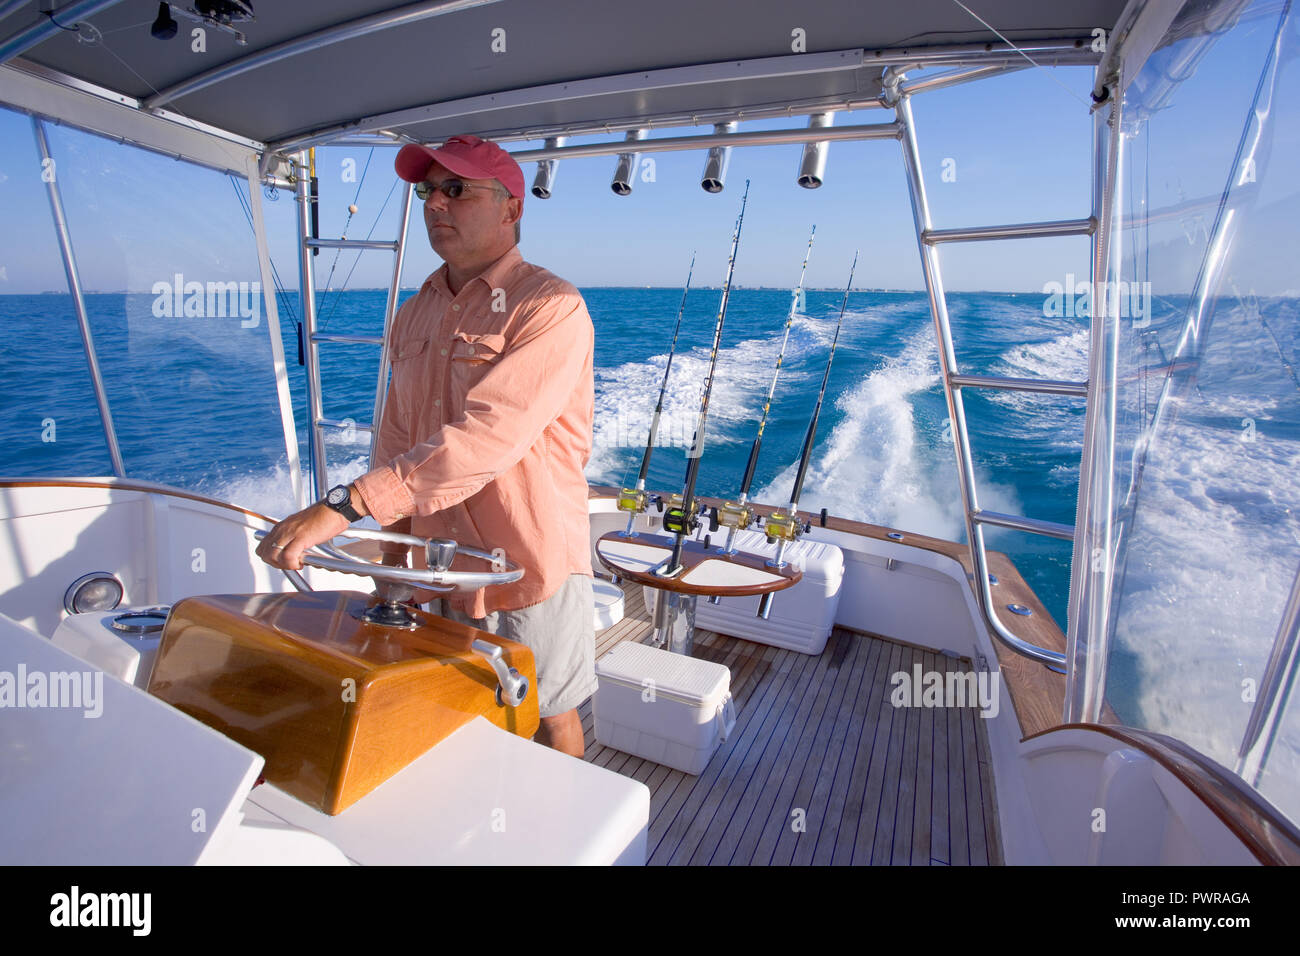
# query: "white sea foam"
1054,420
1213,551
271,492
626,394
874,467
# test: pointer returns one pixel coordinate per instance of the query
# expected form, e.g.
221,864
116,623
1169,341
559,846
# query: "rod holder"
812,168
625,171
715,167
544,181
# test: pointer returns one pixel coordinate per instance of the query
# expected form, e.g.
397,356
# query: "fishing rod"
784,527
680,518
737,515
633,500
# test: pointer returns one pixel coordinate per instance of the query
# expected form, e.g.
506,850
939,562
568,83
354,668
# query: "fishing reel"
677,521
633,500
781,526
732,514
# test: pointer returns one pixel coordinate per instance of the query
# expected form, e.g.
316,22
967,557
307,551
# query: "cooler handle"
726,717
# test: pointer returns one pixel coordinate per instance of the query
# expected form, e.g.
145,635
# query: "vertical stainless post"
307,295
1274,692
283,396
952,393
78,299
390,310
1093,559
675,622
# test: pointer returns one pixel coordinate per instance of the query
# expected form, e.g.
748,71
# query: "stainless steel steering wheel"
439,555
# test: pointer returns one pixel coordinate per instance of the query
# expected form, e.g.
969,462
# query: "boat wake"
626,395
876,465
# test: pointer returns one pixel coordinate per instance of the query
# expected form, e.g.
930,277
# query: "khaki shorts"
560,631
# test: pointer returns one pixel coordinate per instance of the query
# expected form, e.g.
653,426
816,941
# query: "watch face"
338,495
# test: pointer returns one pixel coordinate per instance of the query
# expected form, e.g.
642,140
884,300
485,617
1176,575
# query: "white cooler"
801,617
665,707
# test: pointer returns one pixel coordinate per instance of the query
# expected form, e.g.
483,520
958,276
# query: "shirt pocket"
408,368
472,358
476,350
408,349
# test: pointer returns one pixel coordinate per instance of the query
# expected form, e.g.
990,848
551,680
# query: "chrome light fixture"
544,181
97,591
625,171
812,168
715,167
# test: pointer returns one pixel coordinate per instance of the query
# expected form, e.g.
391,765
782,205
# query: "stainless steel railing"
928,240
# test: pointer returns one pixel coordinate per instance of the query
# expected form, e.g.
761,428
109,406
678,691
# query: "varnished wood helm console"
334,705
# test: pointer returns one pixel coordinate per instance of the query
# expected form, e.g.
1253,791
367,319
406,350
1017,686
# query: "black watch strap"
339,498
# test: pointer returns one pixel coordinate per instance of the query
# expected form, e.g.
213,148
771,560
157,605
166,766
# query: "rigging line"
348,278
338,252
133,26
1039,66
281,293
194,124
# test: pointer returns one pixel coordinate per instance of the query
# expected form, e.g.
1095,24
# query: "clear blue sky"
1019,146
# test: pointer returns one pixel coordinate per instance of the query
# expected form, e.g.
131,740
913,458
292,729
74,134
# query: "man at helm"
486,428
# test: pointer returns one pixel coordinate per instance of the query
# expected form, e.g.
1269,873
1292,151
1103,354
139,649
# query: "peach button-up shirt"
488,425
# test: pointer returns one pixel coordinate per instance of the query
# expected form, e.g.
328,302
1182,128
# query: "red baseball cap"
466,156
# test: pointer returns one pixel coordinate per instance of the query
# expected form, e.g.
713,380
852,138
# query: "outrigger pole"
785,527
734,514
680,518
633,500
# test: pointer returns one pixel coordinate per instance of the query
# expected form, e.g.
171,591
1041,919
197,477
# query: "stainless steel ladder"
929,240
316,421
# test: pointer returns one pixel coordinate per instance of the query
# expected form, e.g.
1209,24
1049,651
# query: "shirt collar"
493,276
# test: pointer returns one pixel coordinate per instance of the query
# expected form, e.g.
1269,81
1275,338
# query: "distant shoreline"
1288,294
638,288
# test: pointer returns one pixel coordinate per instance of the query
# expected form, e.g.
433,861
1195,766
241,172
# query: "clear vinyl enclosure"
1186,566
174,326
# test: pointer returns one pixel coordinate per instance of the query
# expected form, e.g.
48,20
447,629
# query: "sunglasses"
451,188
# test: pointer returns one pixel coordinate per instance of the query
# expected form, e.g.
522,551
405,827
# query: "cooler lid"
688,678
821,559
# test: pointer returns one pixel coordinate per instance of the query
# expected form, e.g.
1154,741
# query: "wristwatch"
340,499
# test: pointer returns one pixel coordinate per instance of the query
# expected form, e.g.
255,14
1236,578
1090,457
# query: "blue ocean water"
194,403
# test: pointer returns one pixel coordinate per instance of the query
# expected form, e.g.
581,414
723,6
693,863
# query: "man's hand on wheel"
284,544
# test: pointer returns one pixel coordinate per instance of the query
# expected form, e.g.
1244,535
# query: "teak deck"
817,741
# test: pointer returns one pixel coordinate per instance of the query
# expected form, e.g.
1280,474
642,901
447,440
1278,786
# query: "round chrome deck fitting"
1019,609
143,623
895,536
